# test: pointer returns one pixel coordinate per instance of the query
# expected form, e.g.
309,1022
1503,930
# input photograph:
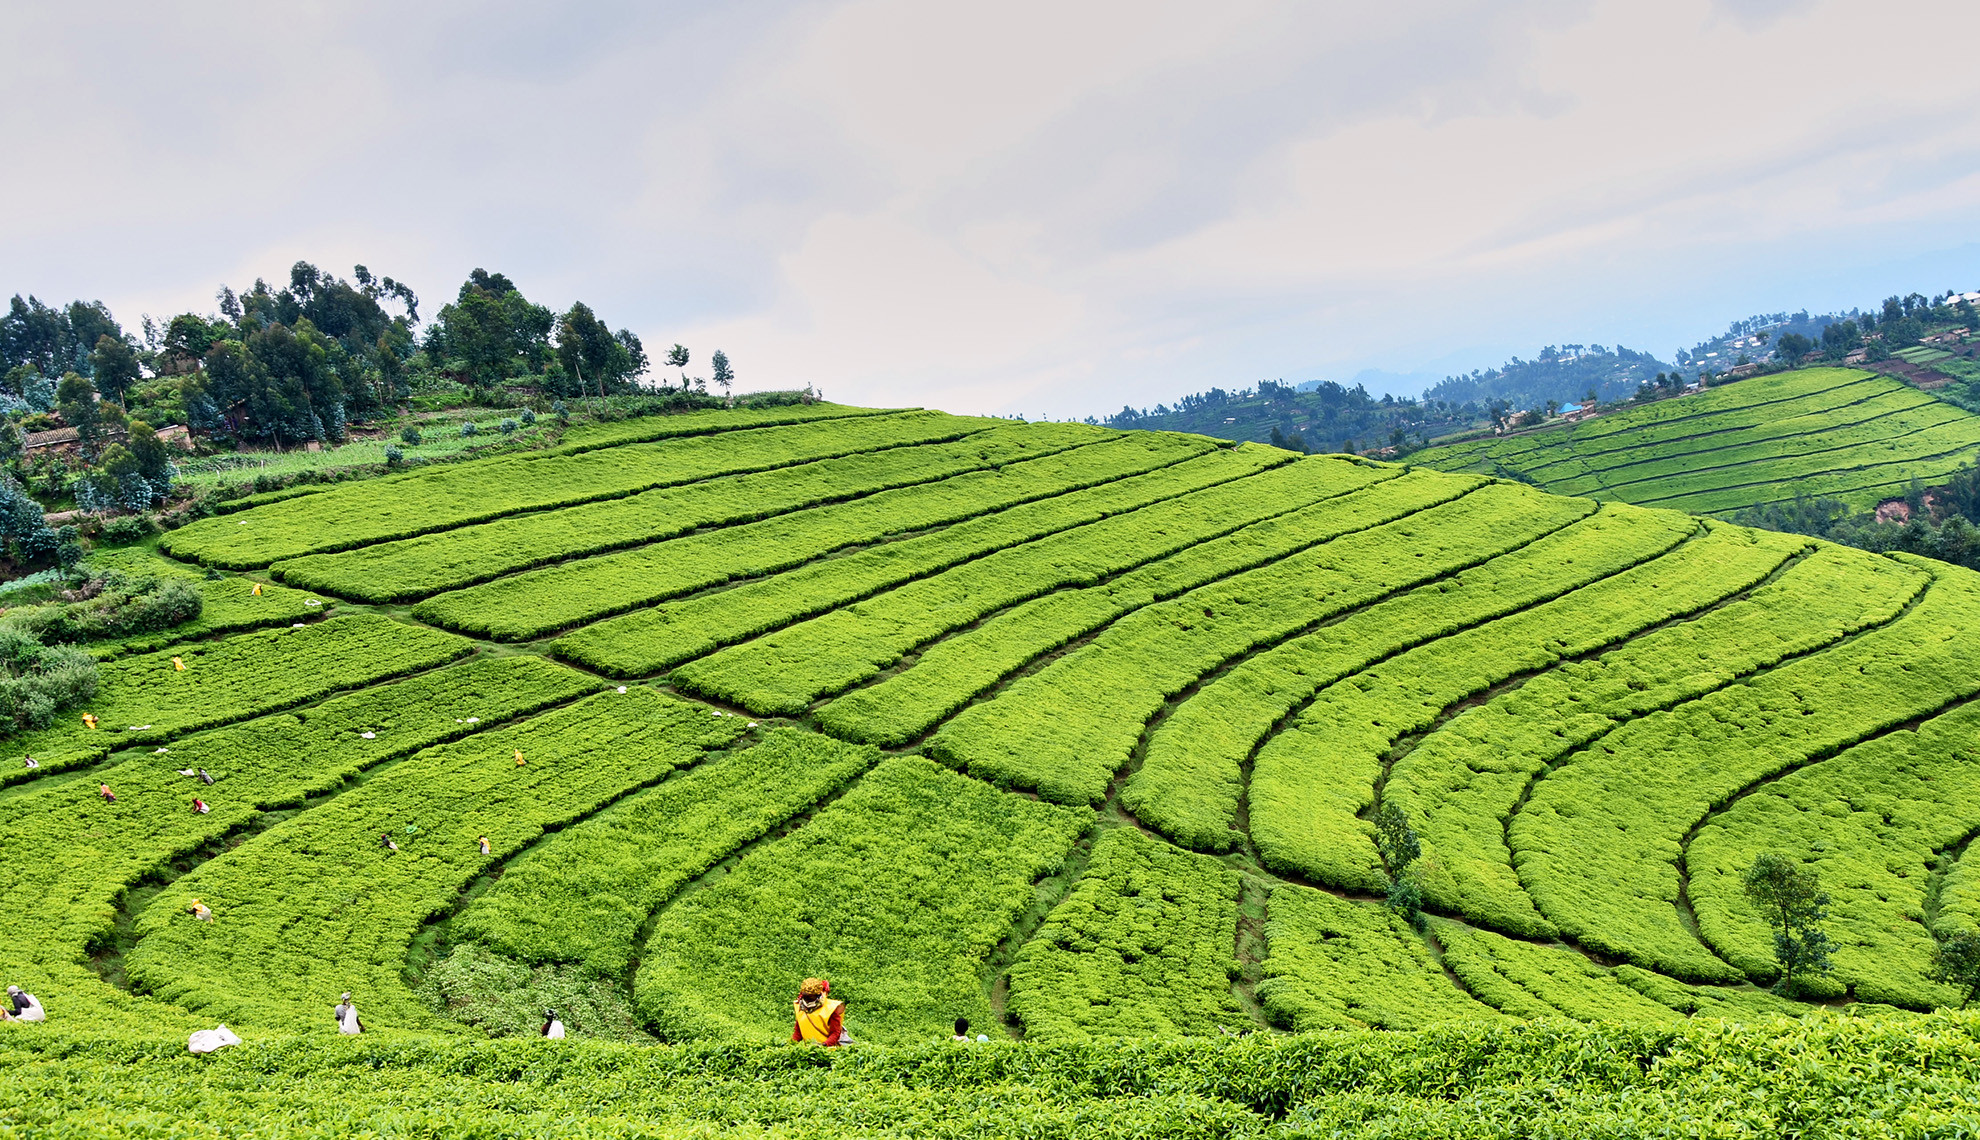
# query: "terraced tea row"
412,568
205,684
66,855
350,515
1821,431
330,900
543,601
644,643
1189,540
1170,682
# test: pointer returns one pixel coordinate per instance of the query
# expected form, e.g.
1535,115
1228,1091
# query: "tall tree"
586,348
116,366
1792,901
76,398
677,357
1399,847
723,375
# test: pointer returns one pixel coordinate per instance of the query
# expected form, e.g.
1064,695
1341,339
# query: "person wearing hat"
24,1006
552,1028
820,1020
347,1016
201,911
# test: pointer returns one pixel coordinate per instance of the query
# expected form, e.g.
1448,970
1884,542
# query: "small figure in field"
31,763
200,806
962,1032
386,840
347,1016
24,1006
484,844
89,719
820,1020
109,797
519,759
552,1028
201,911
206,777
211,1040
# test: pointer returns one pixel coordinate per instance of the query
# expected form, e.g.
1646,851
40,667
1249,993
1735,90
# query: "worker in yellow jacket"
820,1020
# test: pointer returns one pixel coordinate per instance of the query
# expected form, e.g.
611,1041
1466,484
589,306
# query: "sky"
1045,209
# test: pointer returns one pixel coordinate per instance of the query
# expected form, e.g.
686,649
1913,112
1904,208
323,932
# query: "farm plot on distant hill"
1069,731
1832,432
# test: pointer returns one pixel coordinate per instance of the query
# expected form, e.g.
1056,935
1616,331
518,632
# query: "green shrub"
112,605
127,528
38,681
290,934
1066,729
506,998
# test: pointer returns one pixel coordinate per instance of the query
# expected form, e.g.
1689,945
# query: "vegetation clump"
1795,906
37,681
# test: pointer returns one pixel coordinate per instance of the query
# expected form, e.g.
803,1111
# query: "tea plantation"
1838,433
1075,733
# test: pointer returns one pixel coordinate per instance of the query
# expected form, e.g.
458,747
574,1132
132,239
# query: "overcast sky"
1036,208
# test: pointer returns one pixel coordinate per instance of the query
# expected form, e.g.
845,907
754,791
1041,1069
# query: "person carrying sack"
24,1006
820,1020
211,1040
347,1016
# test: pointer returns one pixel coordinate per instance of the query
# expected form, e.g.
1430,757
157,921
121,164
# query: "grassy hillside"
1857,437
1075,732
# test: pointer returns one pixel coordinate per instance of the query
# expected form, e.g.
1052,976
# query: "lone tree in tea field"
1399,846
1795,905
1956,962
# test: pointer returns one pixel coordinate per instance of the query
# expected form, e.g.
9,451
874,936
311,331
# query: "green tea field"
1077,733
1825,432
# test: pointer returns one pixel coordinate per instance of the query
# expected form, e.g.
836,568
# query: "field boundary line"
908,659
1044,659
1526,793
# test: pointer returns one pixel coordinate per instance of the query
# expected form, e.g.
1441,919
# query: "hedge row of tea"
1143,694
1883,1078
1824,432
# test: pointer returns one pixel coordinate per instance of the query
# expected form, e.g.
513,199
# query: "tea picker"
24,1006
820,1020
347,1016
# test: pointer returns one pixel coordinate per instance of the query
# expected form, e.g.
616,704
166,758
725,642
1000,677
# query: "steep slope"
1833,432
1072,731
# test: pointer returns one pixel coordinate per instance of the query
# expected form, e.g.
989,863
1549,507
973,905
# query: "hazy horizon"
1047,210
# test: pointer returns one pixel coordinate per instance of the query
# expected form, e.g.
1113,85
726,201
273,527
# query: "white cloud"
1046,208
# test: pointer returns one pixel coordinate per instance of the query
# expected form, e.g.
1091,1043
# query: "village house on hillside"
63,441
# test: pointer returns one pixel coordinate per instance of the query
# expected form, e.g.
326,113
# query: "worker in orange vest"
820,1020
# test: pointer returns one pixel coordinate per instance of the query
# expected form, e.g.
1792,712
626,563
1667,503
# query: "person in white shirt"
24,1006
347,1017
552,1028
209,1040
